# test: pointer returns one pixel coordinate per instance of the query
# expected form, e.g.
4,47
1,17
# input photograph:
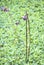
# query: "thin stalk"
26,43
29,37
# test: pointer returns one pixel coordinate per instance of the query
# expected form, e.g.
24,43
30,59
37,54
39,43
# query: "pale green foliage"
12,36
